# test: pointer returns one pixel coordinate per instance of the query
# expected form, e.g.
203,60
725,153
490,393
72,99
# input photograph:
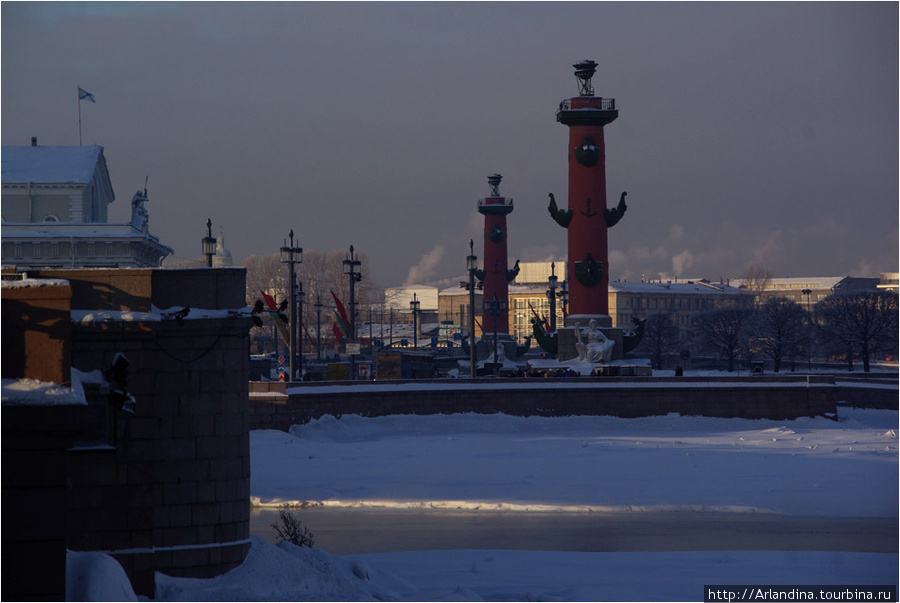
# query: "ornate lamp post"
471,267
291,255
563,294
318,306
209,244
352,270
300,296
414,306
808,294
495,308
551,295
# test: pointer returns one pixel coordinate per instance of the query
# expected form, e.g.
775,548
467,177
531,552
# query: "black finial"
494,181
584,71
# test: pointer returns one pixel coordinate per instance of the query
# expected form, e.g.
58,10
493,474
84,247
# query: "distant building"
805,290
54,211
527,300
680,300
453,308
396,301
223,258
889,281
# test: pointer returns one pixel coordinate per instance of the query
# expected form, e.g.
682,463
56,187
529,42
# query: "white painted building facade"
55,212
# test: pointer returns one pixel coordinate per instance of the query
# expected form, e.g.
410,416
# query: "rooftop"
49,165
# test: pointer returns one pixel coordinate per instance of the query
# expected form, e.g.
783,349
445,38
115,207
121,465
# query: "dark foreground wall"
167,488
274,406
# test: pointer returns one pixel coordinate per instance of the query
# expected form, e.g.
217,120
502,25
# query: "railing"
588,102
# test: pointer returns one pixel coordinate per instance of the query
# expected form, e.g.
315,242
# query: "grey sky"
747,133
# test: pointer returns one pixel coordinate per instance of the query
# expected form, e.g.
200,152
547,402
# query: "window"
51,218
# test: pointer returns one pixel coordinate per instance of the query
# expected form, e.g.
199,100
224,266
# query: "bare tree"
860,323
778,329
322,272
264,273
319,274
756,280
724,331
660,337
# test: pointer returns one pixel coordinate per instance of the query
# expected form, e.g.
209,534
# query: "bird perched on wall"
179,316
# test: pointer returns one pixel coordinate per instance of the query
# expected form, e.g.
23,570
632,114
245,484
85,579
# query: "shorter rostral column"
587,217
496,274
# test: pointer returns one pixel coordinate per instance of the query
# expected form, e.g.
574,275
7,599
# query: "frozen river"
368,530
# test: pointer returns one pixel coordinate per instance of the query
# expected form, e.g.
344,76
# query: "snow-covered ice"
810,466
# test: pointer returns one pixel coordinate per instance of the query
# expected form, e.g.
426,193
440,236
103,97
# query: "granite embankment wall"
867,391
278,405
167,488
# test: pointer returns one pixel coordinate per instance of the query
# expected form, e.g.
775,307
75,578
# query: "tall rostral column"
587,218
496,274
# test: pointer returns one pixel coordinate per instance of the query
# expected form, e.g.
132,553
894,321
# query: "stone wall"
274,406
35,441
166,489
868,391
36,331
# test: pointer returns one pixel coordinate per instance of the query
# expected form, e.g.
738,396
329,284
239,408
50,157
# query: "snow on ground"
809,466
816,466
286,572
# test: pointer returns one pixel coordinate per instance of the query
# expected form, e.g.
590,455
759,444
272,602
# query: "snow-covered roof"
49,165
808,282
689,287
69,230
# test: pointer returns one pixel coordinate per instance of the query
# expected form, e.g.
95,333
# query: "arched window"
51,218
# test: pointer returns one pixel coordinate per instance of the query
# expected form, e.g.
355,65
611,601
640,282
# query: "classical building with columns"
55,212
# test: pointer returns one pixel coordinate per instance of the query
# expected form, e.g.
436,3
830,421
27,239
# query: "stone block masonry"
167,488
274,406
35,444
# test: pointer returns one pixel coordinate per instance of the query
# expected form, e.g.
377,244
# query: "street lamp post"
551,295
291,255
563,295
496,307
300,296
471,268
414,306
808,294
352,270
318,305
209,244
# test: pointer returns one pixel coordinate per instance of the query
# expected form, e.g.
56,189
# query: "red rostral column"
496,274
587,218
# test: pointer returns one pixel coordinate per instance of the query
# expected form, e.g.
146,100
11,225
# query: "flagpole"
78,95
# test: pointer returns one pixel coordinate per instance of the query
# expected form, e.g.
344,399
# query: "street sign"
353,349
281,359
